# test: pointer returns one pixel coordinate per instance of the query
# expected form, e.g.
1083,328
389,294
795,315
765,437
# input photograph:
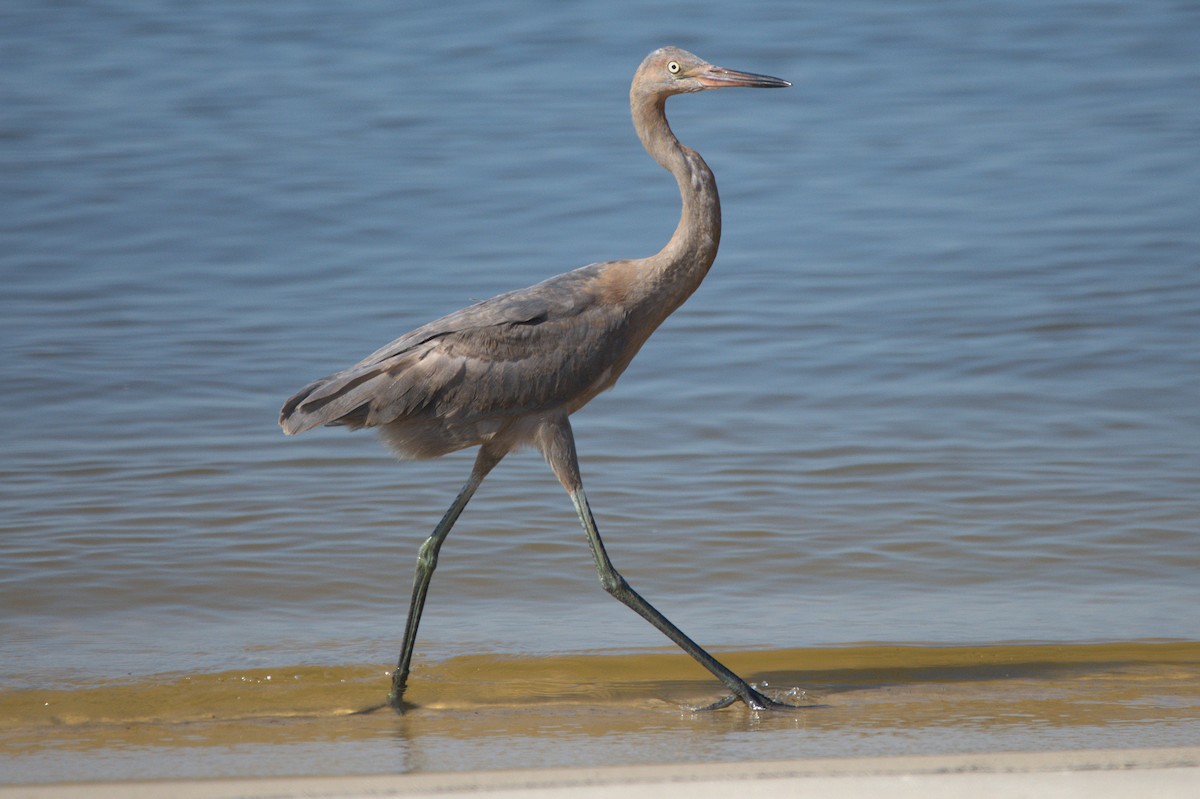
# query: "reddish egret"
510,370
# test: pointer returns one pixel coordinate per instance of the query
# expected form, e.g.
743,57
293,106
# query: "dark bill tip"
717,77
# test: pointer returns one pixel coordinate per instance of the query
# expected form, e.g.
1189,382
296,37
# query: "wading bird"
510,370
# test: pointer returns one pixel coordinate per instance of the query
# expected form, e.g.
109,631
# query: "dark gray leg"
427,562
558,445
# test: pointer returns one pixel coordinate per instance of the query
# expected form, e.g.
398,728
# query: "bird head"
670,70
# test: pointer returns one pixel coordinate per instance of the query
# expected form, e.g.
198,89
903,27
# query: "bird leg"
558,445
427,557
615,584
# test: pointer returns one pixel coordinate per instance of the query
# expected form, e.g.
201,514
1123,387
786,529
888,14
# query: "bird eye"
673,67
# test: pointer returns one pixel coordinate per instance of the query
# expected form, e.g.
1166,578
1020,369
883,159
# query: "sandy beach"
1101,774
872,713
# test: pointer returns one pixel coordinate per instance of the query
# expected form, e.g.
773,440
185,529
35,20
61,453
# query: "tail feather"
339,399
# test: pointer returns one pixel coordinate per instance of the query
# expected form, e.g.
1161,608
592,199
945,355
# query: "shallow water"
489,712
940,387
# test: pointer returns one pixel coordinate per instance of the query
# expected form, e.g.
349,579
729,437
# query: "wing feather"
518,352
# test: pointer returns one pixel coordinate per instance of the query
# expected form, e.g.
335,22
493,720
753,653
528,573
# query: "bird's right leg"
427,557
558,445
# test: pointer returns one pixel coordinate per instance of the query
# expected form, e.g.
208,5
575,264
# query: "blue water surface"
941,385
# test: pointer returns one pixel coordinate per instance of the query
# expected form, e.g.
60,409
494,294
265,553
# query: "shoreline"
483,714
1097,774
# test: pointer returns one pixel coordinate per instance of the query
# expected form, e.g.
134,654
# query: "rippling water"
941,385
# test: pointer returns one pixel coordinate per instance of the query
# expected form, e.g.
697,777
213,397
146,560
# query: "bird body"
509,371
474,374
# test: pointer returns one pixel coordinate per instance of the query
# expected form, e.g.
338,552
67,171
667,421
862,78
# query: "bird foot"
755,700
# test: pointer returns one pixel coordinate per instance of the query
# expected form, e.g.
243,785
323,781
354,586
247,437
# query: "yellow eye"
673,67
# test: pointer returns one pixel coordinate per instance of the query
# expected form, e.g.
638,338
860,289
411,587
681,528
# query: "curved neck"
676,271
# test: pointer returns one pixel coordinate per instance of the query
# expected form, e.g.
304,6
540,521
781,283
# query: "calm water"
941,386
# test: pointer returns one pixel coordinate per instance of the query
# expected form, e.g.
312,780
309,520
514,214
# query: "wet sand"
1161,773
482,715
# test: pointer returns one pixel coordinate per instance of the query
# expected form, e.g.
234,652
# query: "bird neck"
677,270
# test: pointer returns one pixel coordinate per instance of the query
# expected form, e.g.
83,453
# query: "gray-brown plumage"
510,370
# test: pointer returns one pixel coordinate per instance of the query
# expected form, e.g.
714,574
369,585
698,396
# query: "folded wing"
513,354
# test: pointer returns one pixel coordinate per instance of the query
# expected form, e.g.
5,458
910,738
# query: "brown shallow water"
477,712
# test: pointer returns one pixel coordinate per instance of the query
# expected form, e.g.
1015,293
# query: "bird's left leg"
485,461
558,445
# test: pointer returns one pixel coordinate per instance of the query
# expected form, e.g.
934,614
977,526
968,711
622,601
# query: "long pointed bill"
711,77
